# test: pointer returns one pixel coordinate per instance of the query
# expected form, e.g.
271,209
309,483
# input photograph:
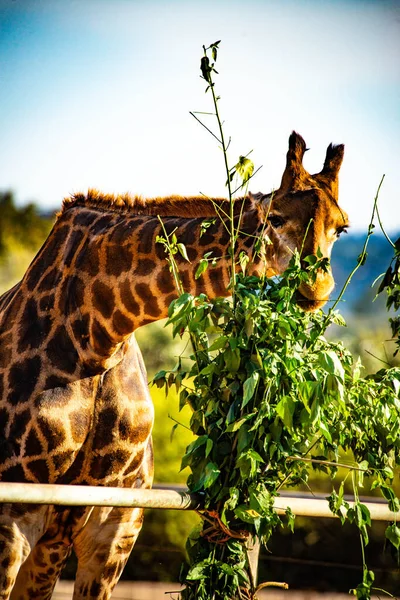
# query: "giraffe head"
304,214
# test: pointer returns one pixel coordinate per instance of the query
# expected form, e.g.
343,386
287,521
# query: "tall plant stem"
228,182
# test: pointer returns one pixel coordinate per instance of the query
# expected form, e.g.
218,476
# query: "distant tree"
20,225
22,231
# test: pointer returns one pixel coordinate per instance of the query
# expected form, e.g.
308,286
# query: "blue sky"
97,93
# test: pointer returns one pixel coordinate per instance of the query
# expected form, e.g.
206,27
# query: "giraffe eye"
276,221
340,230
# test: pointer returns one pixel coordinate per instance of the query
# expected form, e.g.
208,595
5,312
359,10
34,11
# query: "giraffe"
75,406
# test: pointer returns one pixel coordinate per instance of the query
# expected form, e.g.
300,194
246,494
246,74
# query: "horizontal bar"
179,499
319,507
85,495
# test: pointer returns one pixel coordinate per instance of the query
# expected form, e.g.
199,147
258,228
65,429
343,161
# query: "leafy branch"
272,399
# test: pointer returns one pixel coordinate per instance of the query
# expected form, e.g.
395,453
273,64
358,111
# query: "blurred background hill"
321,544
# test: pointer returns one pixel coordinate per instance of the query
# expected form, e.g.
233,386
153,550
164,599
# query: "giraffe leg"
102,548
20,528
14,548
41,570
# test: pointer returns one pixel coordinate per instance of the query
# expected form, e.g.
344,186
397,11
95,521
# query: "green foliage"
17,222
22,231
391,283
272,399
269,393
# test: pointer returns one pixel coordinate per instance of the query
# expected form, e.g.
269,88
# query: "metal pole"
319,507
81,495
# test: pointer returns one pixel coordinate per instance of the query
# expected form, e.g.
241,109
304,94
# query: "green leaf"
174,427
219,343
337,502
230,176
290,518
244,168
233,498
203,228
203,266
179,307
243,261
249,387
330,361
214,48
306,391
393,535
363,590
310,260
201,440
182,251
363,465
209,446
159,379
232,359
206,69
365,515
209,369
248,463
198,571
393,501
211,474
338,319
246,514
237,424
285,410
325,432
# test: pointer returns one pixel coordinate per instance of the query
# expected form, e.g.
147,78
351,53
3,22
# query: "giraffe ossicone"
74,402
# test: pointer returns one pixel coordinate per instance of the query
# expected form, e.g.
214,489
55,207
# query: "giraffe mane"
173,206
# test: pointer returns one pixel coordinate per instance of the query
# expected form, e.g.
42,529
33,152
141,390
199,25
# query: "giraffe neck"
102,275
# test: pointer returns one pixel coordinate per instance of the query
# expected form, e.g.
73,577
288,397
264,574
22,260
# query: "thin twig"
179,423
383,229
200,112
383,592
360,260
247,180
205,127
325,462
385,362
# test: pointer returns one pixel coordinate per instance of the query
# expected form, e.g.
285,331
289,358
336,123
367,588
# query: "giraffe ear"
255,199
333,160
330,171
294,174
261,202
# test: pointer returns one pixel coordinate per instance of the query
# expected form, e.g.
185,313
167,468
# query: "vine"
271,399
391,284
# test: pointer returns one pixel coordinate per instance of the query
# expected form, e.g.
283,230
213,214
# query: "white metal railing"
166,498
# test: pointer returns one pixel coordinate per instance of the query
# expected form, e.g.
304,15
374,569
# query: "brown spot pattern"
103,298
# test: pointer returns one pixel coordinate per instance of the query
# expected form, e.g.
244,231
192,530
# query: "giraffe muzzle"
312,297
